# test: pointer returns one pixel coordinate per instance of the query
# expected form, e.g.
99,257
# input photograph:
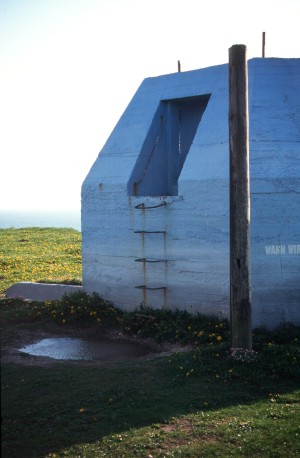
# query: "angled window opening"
166,146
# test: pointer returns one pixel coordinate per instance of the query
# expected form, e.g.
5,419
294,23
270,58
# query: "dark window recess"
166,146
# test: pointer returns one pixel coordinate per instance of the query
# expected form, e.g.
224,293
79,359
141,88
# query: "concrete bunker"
155,204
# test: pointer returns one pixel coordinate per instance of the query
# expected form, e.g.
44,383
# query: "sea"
18,219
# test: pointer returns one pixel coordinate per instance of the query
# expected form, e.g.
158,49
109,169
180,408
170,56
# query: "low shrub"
79,307
175,326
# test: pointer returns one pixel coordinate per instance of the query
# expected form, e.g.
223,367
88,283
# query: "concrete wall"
155,204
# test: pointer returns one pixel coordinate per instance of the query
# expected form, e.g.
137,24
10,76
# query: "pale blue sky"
69,68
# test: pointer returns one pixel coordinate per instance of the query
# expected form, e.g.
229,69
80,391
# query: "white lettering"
282,249
268,249
275,249
294,249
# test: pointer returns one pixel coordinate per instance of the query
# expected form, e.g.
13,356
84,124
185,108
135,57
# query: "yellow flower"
81,410
219,338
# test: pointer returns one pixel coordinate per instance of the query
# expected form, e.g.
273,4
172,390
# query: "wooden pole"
240,269
263,43
178,66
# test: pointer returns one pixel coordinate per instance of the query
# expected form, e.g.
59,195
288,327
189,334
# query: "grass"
202,403
39,254
144,409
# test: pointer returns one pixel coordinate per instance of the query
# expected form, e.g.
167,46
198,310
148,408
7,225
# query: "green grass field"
39,254
200,403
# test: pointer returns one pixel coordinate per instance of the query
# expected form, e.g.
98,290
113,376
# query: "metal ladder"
145,260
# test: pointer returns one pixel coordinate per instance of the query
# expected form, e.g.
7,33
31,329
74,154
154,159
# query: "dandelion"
219,338
81,410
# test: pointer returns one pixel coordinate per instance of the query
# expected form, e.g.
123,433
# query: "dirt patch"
184,425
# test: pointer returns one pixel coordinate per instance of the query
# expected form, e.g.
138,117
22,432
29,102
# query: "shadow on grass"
46,409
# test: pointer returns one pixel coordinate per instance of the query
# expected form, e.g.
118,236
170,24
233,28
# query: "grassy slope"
198,404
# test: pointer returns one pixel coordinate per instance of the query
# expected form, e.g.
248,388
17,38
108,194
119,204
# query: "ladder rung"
148,287
150,232
150,260
143,206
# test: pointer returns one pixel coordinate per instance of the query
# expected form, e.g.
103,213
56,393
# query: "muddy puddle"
68,348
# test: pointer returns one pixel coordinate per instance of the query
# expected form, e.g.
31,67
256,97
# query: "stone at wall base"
40,291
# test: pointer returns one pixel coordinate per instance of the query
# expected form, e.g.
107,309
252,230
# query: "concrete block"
40,291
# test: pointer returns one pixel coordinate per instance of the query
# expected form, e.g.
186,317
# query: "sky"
69,68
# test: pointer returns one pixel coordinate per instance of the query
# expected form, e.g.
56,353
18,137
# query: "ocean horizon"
33,218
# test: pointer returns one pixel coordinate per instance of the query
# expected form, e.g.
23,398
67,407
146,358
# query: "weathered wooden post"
240,269
263,44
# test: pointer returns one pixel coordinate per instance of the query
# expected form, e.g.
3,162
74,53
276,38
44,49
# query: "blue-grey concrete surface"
155,204
40,291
